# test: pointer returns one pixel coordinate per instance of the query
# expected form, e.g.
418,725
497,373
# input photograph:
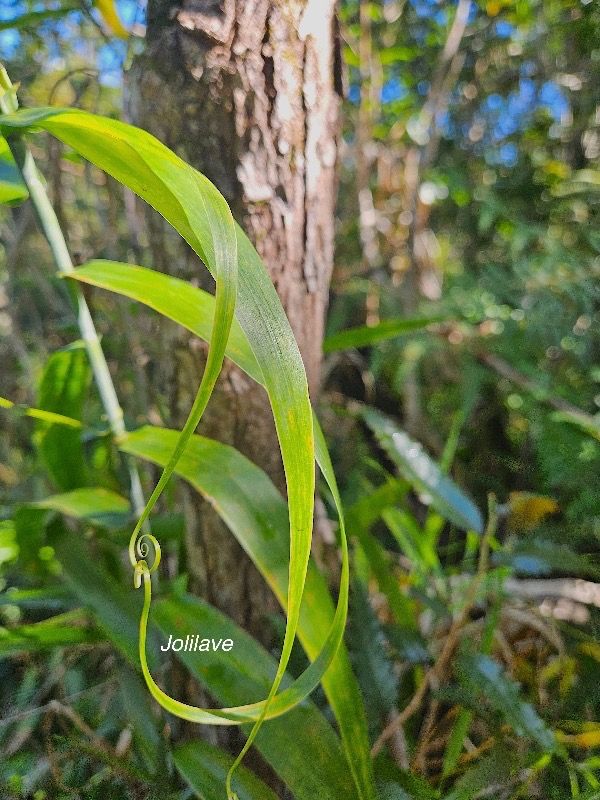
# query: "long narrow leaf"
371,334
34,18
423,473
38,413
231,677
65,630
177,300
98,505
246,671
204,767
180,194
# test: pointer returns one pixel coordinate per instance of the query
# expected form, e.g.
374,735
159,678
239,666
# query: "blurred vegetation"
460,401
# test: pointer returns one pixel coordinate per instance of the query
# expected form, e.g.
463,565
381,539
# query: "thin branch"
504,369
438,669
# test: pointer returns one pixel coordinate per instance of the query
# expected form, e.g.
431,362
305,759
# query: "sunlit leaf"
110,16
63,388
12,188
423,473
189,306
97,505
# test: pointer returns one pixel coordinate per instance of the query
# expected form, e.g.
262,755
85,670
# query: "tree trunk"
247,91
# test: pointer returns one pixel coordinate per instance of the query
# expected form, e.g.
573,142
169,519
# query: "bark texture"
247,91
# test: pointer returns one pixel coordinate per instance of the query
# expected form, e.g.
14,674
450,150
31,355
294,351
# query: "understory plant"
449,684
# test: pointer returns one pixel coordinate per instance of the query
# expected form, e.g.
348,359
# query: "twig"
437,670
398,743
504,369
30,712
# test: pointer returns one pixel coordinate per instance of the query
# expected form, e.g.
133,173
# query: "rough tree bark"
248,92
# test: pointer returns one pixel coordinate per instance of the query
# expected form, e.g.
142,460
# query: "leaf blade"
424,474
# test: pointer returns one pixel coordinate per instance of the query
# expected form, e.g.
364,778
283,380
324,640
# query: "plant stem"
58,246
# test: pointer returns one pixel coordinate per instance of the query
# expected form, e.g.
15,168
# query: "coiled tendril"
142,546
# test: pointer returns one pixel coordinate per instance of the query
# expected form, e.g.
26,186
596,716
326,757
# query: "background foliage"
460,404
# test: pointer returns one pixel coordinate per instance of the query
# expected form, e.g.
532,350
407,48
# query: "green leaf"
423,473
12,188
289,743
52,598
413,541
372,665
360,517
205,768
181,195
37,413
366,511
178,300
97,505
65,630
371,334
481,675
35,18
143,722
9,548
63,388
174,298
29,528
255,512
456,740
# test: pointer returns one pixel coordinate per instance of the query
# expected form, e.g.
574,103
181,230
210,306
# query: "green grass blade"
371,334
289,743
65,630
172,188
38,413
255,512
205,768
176,300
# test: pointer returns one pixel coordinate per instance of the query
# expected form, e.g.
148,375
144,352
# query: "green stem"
58,246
